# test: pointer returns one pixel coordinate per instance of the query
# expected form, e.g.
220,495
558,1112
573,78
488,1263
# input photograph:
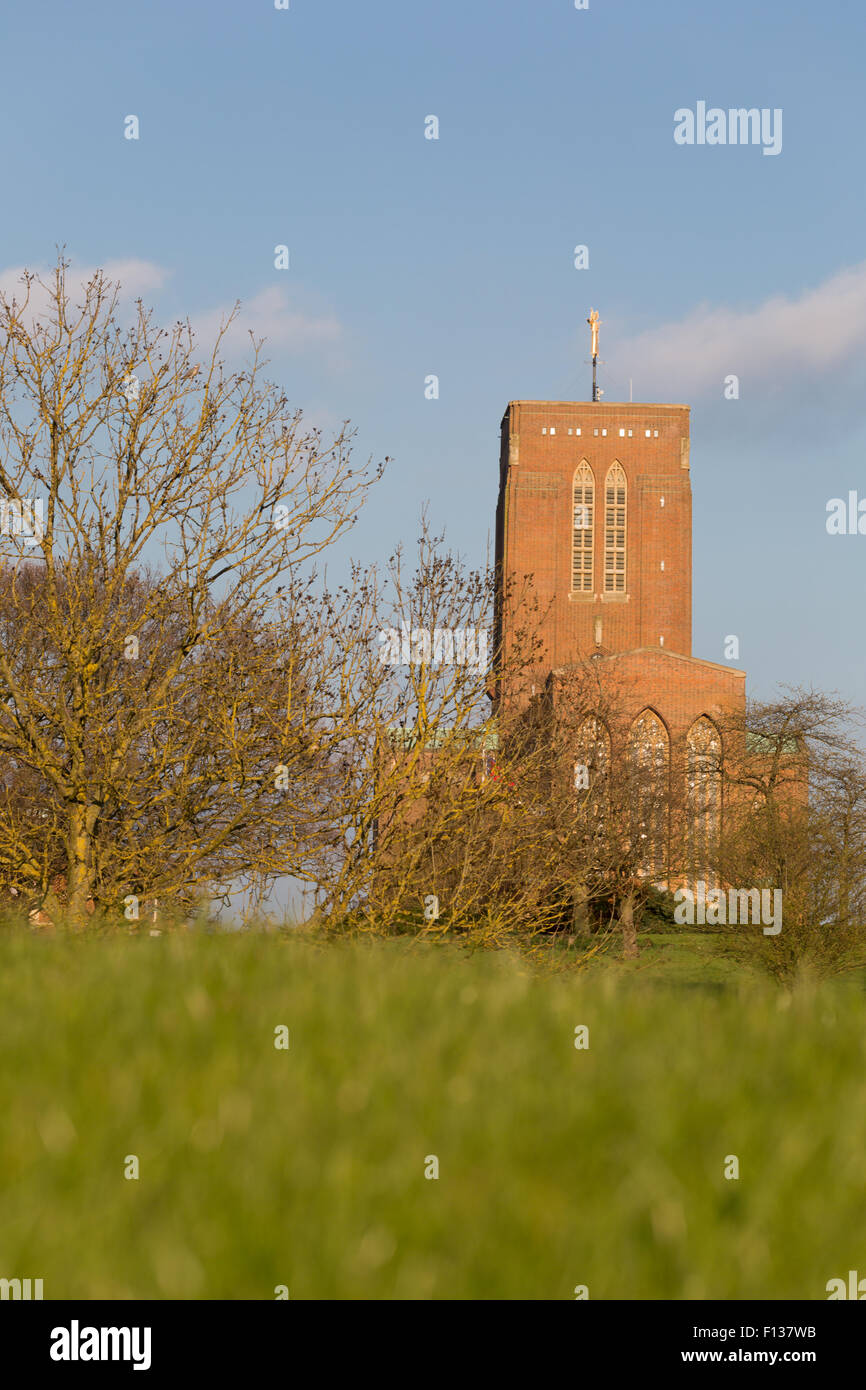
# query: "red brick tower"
595,503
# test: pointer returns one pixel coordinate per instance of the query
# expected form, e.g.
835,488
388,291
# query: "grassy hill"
305,1167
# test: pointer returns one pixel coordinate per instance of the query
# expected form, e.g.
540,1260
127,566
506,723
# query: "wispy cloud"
272,314
287,324
777,341
135,277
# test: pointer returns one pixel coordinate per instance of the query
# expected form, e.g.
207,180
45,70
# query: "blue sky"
455,257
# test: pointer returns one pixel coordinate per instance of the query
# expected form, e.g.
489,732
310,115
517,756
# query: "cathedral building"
595,503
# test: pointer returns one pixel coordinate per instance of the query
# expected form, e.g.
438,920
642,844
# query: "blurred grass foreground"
311,1168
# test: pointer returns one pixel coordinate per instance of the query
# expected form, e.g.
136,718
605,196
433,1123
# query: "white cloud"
783,338
272,315
136,277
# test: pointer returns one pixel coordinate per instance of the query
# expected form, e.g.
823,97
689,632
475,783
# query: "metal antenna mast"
594,322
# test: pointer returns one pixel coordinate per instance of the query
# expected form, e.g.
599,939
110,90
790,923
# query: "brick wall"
679,689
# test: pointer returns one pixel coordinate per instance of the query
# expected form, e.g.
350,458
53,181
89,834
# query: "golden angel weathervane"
593,322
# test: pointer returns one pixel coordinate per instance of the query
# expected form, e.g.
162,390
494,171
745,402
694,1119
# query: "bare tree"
472,796
795,821
151,714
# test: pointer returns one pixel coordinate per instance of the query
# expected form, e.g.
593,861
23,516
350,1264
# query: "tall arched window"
583,529
649,758
592,778
703,799
593,749
614,530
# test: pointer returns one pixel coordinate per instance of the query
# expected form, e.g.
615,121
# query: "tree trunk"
629,930
79,856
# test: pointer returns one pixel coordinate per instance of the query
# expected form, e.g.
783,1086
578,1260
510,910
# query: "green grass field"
305,1167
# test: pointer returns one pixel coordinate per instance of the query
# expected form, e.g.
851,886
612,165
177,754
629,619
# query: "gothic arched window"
649,758
593,750
614,530
583,529
703,799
